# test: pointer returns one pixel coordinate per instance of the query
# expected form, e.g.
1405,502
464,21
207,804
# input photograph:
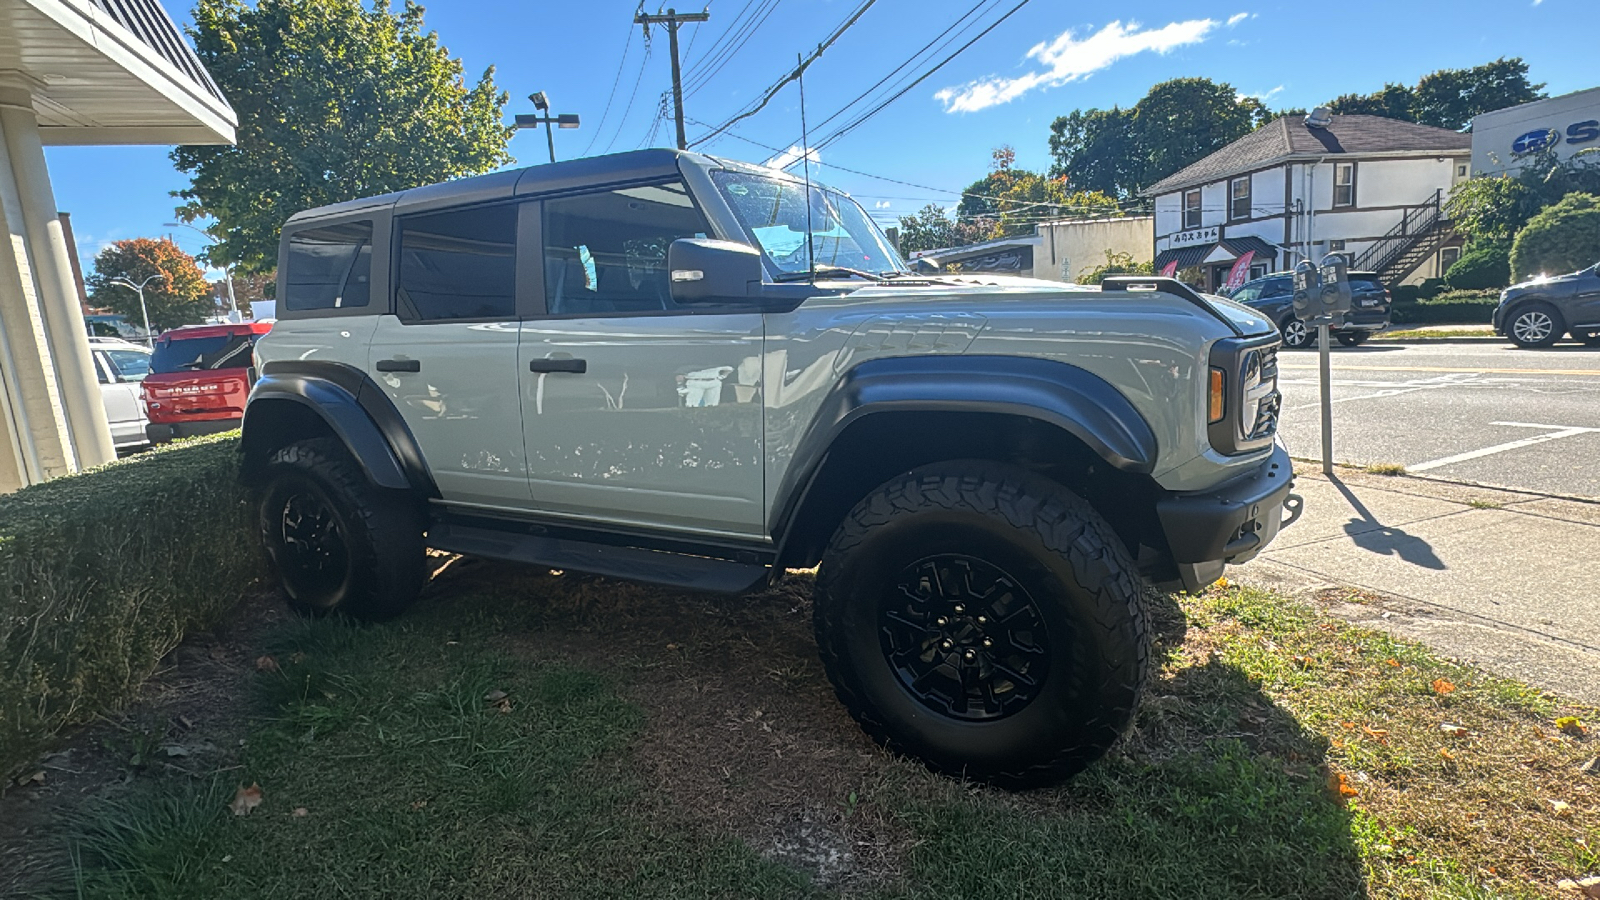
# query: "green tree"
1496,207
1448,98
335,101
1563,238
1480,269
1120,152
178,296
1115,264
934,229
1031,198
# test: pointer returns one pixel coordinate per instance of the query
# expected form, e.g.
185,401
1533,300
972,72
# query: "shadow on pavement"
1373,536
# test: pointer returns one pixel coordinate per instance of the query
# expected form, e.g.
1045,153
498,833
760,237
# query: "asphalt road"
1481,412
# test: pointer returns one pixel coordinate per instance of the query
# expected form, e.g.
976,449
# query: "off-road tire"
1296,336
372,565
1523,325
1353,338
1063,556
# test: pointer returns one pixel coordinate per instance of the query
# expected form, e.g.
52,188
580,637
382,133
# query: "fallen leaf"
1340,786
1570,725
300,812
1458,731
1348,726
35,778
1381,734
418,804
1303,662
266,664
1222,582
246,799
495,696
1445,752
297,657
504,705
1559,807
1592,767
1442,687
1393,662
1586,887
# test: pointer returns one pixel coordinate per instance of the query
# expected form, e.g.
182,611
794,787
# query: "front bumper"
163,432
1230,523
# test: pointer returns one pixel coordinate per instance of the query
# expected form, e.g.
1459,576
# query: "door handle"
399,365
574,366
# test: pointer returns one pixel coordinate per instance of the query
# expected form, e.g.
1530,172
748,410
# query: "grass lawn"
1440,332
525,734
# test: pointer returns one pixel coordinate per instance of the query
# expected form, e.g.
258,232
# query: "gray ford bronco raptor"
695,372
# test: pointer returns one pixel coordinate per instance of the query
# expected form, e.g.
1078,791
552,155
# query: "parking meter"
1336,294
1307,291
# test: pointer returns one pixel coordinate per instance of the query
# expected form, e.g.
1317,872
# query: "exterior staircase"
1423,229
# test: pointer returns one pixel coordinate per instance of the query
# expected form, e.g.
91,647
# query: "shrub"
1563,238
1449,308
1480,270
102,573
1116,264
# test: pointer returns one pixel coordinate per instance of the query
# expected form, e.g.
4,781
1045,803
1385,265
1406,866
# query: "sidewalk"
1503,579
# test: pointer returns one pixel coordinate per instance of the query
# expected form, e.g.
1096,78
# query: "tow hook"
1293,506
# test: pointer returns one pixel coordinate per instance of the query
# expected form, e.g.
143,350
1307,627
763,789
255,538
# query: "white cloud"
791,156
882,204
1236,18
1263,96
1069,59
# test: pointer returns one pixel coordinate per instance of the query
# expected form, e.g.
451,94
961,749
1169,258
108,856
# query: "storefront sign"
1197,236
1546,138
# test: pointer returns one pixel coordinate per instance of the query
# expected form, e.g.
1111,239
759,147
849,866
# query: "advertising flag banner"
1240,271
1170,270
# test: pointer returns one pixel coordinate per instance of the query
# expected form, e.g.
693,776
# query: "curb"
1461,482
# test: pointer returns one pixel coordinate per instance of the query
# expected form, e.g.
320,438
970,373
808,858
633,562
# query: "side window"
101,367
329,267
606,253
129,365
1277,287
1246,293
460,264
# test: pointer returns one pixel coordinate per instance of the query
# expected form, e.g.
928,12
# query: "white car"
120,366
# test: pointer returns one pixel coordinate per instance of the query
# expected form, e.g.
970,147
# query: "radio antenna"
805,159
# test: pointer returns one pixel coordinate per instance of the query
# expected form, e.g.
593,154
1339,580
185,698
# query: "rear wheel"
1353,338
339,543
1534,325
984,620
1296,335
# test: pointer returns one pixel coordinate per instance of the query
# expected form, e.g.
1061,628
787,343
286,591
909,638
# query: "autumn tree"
335,101
178,295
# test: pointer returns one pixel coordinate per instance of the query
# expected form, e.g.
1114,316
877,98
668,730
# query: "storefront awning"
1235,247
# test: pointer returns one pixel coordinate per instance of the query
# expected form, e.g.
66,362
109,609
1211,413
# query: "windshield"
773,213
223,351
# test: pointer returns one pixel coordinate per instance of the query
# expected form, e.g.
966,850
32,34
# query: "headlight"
1242,401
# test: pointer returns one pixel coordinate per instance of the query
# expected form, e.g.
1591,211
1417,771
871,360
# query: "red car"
199,379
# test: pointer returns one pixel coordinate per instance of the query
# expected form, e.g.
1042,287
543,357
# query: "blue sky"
1049,58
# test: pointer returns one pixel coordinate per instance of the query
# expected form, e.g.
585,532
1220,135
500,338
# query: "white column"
65,333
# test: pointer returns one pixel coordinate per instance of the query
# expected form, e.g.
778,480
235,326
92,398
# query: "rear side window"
1277,287
460,264
329,267
200,354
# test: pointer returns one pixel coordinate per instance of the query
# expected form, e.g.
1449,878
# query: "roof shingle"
1288,136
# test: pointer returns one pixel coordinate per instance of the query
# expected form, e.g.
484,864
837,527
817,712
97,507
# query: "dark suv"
1273,296
1537,313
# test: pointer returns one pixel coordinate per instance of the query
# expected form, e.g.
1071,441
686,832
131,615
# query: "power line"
862,119
643,64
799,70
692,68
621,64
716,65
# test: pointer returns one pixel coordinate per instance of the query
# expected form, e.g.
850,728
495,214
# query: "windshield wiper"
828,271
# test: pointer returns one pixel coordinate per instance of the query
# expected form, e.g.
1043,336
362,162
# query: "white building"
1056,251
74,72
1567,125
1366,186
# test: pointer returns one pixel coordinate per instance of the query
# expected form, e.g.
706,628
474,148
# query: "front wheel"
984,620
339,543
1353,338
1296,335
1534,325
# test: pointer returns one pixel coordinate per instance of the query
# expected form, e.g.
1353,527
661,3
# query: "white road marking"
1562,431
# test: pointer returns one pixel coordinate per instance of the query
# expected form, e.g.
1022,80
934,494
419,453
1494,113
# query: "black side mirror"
925,266
709,271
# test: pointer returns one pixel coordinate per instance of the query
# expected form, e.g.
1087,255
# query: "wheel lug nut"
960,608
947,644
941,621
988,643
983,620
970,655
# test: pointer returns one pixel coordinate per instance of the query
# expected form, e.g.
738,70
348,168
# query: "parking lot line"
1563,432
1590,373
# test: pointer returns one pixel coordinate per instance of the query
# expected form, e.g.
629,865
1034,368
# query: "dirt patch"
188,723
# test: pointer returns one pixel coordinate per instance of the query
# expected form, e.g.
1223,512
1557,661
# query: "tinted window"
1277,287
196,354
329,267
607,252
1246,292
459,265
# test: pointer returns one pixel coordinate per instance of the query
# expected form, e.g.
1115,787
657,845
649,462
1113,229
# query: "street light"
227,270
542,104
149,338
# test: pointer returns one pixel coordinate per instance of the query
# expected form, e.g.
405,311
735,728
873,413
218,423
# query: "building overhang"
108,72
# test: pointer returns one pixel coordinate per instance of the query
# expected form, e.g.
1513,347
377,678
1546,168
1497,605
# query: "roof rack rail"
1164,285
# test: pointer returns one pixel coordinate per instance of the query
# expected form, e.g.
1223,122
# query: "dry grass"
1385,469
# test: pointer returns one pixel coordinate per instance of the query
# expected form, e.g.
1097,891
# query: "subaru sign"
1508,139
1545,138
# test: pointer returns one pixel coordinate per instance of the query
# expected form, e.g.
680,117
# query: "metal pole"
149,339
1324,369
550,135
677,83
233,302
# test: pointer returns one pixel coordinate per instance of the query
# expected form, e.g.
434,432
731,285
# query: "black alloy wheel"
964,638
314,562
1353,338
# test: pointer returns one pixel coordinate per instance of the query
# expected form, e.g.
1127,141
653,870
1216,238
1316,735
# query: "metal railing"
1416,223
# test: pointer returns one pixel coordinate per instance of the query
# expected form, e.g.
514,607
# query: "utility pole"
672,19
